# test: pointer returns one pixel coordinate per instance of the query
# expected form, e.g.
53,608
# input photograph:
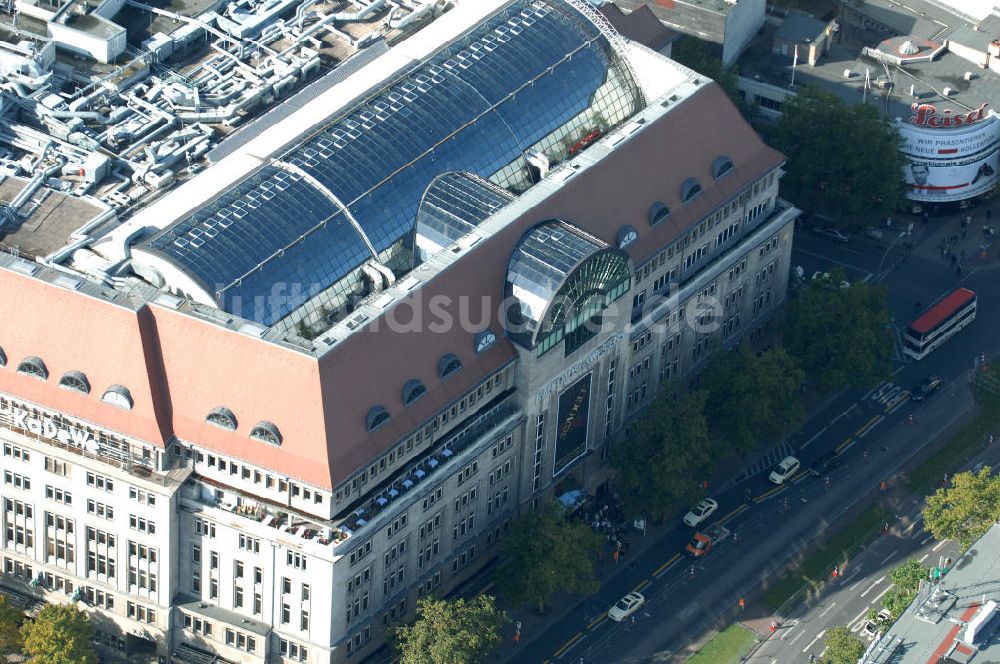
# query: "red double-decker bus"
940,323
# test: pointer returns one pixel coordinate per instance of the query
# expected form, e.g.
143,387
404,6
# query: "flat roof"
799,27
933,628
50,224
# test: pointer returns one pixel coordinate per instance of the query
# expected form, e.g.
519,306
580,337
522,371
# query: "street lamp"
892,244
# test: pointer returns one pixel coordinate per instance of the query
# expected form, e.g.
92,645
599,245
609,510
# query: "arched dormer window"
626,236
222,417
266,432
3,358
721,166
658,213
448,364
33,366
377,416
484,340
118,395
75,381
412,391
690,189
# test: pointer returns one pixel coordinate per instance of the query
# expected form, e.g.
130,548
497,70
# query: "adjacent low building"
953,620
261,417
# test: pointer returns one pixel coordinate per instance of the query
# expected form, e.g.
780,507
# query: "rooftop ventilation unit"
168,300
67,281
252,330
946,92
24,267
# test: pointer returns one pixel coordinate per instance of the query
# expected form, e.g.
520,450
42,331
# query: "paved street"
869,431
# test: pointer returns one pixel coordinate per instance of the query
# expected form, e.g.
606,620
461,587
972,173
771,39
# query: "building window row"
240,640
15,452
141,497
16,480
360,552
141,613
198,625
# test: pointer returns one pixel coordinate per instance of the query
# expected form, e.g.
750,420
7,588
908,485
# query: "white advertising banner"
948,160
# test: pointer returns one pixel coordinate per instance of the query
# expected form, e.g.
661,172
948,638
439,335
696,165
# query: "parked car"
784,470
626,606
833,233
877,624
825,464
927,387
700,512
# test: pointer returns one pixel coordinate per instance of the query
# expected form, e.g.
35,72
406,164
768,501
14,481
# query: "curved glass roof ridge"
529,76
541,271
452,206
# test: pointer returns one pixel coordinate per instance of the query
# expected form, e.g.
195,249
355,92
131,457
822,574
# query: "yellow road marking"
729,517
844,444
643,584
569,644
896,403
662,568
598,620
862,430
770,492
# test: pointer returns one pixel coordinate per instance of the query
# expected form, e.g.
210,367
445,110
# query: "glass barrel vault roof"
522,78
453,205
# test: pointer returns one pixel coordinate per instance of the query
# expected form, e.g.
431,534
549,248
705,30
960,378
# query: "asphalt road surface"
870,431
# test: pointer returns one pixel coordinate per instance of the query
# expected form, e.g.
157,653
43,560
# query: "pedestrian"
909,418
736,537
885,527
883,486
812,657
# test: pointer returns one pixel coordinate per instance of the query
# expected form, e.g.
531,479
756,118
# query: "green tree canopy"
59,635
906,580
860,178
706,59
840,336
753,399
451,632
842,646
966,510
545,554
662,467
10,621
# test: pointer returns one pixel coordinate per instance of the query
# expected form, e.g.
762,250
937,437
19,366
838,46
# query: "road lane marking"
844,444
827,609
598,620
909,528
872,586
926,540
729,517
940,544
642,584
815,639
662,569
889,557
569,644
898,370
879,596
858,617
844,414
795,638
808,442
869,425
898,403
770,492
926,556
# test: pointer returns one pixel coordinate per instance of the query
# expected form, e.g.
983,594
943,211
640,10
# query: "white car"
626,606
785,469
700,512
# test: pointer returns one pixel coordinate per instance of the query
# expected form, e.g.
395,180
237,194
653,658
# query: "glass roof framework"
519,80
560,277
453,205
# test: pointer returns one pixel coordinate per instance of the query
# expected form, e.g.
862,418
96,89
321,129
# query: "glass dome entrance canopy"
561,279
533,75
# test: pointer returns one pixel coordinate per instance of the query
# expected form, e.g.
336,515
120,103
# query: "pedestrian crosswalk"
767,460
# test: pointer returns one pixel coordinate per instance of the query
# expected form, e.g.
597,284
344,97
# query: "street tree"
10,623
753,399
966,510
842,646
906,580
60,634
662,467
546,553
840,336
451,632
859,179
706,59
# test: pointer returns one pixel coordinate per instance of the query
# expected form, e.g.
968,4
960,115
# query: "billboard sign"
950,164
574,416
